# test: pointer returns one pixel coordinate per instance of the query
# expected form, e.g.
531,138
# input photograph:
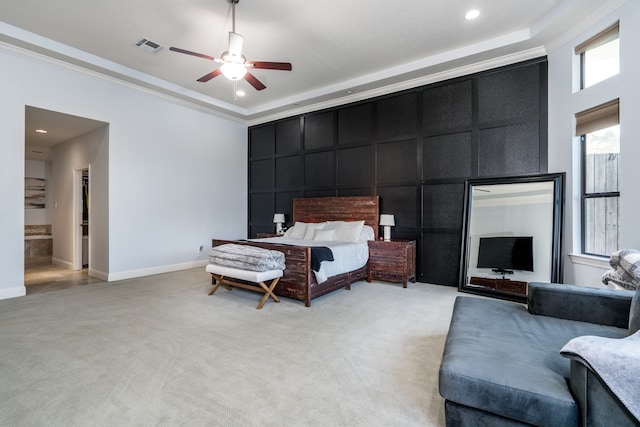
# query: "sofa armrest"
594,305
597,404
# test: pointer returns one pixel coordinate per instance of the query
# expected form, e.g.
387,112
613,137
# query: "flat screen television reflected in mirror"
505,254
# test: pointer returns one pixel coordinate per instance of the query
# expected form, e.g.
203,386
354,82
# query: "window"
599,131
599,57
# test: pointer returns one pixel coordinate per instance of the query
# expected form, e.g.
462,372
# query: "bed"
299,281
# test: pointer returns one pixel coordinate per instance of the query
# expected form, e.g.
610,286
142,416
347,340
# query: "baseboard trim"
132,274
62,263
99,274
18,291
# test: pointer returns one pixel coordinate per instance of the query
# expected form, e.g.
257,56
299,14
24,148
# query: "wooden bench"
220,276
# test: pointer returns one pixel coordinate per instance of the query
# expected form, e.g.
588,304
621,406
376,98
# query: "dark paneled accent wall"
414,149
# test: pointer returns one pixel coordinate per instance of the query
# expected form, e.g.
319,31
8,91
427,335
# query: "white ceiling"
341,51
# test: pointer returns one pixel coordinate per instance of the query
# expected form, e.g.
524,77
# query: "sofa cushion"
634,313
503,360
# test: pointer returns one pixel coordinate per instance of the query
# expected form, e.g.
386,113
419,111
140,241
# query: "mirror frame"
558,180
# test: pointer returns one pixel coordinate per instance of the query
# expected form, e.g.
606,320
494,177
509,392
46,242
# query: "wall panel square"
261,208
319,169
288,172
397,116
440,258
509,94
509,150
288,136
396,162
447,156
442,206
261,174
355,166
262,141
447,107
355,123
400,202
319,130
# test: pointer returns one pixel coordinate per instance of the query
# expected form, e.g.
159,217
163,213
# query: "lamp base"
387,233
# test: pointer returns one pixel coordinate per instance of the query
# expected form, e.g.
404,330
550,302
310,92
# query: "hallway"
47,277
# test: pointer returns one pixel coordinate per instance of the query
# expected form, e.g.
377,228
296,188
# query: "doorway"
70,151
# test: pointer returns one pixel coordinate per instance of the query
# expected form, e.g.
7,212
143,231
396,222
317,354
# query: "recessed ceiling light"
240,92
41,131
472,14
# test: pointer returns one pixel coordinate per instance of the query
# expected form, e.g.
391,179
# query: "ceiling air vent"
148,45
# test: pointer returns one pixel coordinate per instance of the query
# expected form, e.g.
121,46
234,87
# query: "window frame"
584,196
597,40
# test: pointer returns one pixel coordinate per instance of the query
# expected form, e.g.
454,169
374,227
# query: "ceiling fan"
234,64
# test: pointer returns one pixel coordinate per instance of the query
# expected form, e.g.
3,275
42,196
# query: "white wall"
564,147
177,176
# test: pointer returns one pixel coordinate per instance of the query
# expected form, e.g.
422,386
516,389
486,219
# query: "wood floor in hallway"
46,277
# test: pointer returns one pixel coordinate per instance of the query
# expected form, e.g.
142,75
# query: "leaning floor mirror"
512,234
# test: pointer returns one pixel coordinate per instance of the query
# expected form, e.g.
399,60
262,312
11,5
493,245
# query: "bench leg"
268,292
217,281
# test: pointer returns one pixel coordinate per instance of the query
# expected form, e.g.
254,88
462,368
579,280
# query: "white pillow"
367,233
346,231
324,235
311,228
296,231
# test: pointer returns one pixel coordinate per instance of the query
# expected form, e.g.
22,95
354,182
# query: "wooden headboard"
320,209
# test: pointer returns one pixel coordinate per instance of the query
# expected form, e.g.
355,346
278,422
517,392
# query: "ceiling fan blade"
235,44
285,66
253,81
209,76
188,52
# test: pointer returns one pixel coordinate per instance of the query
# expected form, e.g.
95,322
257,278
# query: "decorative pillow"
324,235
296,231
311,229
367,233
346,231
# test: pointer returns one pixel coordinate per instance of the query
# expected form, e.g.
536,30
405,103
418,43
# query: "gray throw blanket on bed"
616,361
246,257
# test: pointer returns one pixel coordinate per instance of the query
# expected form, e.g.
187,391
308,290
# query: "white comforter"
347,256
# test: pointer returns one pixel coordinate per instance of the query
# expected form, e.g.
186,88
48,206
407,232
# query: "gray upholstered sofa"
502,363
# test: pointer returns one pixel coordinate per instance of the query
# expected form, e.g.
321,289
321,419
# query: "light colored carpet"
159,351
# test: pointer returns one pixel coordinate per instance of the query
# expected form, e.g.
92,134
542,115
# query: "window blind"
599,117
602,37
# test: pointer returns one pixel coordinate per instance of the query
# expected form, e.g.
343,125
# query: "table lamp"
387,221
278,220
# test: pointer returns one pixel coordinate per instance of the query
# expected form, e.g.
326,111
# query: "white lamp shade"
388,220
278,218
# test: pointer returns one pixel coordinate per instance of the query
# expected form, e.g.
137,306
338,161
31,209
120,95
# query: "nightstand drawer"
387,255
389,277
382,246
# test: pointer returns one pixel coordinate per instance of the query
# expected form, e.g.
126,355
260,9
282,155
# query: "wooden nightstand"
265,235
393,261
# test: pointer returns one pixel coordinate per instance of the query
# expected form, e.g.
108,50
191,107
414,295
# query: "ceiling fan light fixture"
233,70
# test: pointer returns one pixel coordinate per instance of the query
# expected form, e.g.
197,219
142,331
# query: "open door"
81,217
